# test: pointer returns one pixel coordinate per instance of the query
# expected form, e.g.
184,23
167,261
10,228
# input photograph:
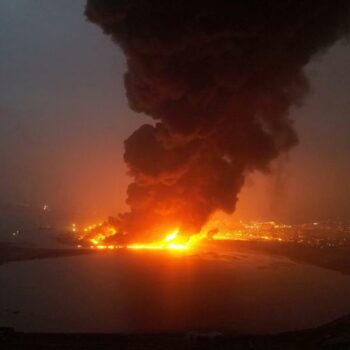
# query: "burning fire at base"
220,228
105,236
217,79
97,236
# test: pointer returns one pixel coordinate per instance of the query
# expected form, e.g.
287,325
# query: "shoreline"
334,259
12,253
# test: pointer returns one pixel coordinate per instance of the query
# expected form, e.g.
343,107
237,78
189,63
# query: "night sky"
64,117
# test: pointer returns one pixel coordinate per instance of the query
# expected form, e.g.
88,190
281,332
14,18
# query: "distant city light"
16,233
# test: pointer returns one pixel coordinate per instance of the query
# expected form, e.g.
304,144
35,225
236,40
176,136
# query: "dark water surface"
145,291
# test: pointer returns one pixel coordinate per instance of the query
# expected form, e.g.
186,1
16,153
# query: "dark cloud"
219,78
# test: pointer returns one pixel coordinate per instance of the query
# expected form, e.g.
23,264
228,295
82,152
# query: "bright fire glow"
96,235
171,236
103,235
171,242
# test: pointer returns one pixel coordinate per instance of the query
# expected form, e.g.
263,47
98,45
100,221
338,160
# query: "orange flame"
97,236
170,242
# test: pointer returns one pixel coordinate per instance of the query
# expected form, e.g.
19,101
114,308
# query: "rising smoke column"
218,78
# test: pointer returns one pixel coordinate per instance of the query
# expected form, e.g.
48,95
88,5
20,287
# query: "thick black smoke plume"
218,77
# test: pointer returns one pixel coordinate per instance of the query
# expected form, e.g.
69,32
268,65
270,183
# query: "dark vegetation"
335,335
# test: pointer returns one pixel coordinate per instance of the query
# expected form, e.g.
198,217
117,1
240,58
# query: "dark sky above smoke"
219,79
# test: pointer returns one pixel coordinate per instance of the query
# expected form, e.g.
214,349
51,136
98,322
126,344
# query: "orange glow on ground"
172,241
101,236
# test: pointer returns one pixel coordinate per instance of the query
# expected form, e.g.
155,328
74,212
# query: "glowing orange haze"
97,234
219,228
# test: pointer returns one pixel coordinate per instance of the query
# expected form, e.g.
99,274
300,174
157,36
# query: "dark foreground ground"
335,335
